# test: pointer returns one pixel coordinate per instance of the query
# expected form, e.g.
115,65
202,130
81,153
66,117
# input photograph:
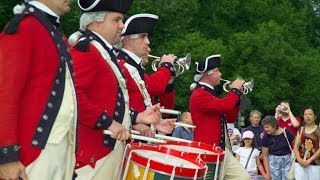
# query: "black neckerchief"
210,90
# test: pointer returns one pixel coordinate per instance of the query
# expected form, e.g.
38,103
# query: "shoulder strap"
285,135
249,158
134,73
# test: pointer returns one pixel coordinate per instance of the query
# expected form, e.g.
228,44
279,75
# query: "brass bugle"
246,87
180,64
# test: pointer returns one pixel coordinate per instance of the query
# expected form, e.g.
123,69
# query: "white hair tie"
19,8
73,39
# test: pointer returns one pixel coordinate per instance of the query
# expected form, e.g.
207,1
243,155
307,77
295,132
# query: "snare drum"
213,156
147,162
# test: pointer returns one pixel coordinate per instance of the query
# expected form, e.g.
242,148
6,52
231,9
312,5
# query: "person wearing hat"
37,100
141,86
249,156
101,90
211,113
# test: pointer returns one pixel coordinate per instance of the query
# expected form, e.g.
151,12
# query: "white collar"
44,8
206,84
136,59
104,40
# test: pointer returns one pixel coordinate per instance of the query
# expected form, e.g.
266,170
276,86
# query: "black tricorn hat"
209,63
140,23
121,6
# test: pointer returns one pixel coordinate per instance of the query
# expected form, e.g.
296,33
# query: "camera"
283,109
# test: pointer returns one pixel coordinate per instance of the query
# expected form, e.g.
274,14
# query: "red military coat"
97,92
206,110
156,84
28,66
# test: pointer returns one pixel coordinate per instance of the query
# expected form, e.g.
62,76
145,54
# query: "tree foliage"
274,42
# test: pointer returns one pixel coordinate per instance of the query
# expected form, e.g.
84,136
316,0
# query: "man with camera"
285,117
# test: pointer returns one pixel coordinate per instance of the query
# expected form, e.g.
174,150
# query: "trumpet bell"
180,64
246,87
185,61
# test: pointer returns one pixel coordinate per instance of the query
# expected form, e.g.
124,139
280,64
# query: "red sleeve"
167,99
157,82
15,65
232,116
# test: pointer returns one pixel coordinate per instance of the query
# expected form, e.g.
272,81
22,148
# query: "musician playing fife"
141,86
210,113
101,91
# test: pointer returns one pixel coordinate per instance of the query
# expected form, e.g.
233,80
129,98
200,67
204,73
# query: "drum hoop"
169,174
167,169
212,158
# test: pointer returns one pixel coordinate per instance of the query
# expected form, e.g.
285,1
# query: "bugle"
246,87
180,64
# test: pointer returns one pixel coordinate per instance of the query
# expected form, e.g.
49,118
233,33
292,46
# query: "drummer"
142,88
101,91
210,113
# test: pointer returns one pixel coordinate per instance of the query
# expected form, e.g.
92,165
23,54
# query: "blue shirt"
181,132
278,145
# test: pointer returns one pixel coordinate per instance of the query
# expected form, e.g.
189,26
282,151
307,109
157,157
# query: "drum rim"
208,158
186,172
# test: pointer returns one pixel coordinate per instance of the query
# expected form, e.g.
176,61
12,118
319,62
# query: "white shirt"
206,84
44,8
133,56
244,155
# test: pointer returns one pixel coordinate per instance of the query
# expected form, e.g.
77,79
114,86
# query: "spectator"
249,156
307,148
256,128
275,150
234,136
184,132
285,117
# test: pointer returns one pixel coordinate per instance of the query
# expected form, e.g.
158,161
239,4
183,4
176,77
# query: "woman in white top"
249,156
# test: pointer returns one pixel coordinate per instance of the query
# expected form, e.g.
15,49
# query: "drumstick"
171,138
170,111
160,136
134,131
184,125
137,137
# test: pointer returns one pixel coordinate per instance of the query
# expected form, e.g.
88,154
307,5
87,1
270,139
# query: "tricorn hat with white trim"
209,63
140,23
121,6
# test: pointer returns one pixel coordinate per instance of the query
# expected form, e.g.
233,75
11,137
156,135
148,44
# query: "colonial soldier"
101,90
210,113
143,88
37,97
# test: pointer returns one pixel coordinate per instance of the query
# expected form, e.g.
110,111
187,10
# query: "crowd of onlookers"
264,147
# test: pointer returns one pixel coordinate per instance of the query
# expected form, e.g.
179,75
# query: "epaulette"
13,24
83,45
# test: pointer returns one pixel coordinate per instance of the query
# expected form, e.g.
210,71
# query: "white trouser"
55,162
312,172
232,169
105,168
